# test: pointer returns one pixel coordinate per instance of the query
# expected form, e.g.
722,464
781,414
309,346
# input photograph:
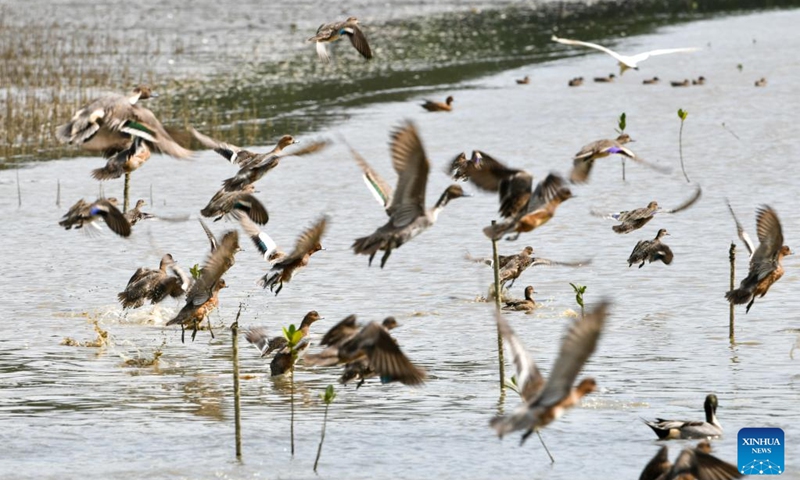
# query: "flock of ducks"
126,133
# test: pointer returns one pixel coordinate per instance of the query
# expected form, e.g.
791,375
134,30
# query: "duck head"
166,261
785,250
527,251
142,92
285,141
710,406
624,138
451,192
449,100
662,233
389,323
529,291
221,284
140,203
310,318
652,205
587,386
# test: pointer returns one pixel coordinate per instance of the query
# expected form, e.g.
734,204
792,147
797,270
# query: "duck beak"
467,195
153,95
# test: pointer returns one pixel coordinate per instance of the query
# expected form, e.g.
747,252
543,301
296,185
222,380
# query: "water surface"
80,412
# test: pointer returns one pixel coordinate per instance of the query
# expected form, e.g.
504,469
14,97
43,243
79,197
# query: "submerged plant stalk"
237,394
497,293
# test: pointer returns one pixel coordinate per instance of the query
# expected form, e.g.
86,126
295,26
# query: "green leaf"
329,395
622,124
196,271
297,337
579,291
740,67
682,114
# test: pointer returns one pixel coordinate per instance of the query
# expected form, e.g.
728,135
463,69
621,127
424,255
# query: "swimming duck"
347,342
282,362
684,83
84,213
672,429
575,82
224,202
124,161
432,106
701,80
545,402
110,123
692,464
583,161
766,262
283,270
610,78
136,214
650,81
762,82
630,220
525,305
406,209
625,61
651,251
524,81
202,297
330,32
142,282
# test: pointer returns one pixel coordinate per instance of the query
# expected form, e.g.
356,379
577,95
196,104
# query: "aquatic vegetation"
327,398
579,291
682,114
294,338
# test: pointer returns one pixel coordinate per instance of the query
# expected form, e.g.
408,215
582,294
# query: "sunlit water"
80,412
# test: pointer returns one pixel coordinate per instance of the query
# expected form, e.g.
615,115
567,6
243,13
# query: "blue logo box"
761,451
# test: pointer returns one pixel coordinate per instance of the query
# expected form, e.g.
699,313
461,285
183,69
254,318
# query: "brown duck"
765,264
244,200
692,464
408,216
631,220
124,161
525,305
308,244
651,251
202,297
346,343
282,362
84,213
154,285
111,123
432,106
136,214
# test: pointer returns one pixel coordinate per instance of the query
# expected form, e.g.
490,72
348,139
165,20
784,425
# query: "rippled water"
80,412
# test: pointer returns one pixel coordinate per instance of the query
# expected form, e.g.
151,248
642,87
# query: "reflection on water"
664,349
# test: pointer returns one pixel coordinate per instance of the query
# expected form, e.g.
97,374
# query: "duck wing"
340,332
576,348
487,173
115,219
515,194
743,236
385,356
770,238
412,167
257,337
359,41
529,380
305,243
143,123
211,238
218,262
554,263
657,466
702,466
227,150
263,242
689,202
379,188
546,191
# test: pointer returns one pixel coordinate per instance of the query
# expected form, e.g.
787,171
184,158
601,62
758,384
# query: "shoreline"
255,102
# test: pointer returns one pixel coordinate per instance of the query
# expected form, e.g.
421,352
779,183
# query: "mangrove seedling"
293,338
328,398
621,124
579,291
682,114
